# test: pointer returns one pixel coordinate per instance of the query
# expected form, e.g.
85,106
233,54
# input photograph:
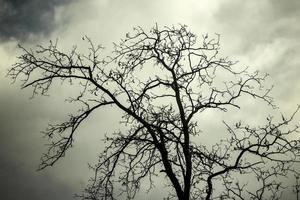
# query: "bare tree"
161,80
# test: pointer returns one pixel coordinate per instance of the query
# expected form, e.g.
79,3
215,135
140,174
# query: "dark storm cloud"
20,149
19,182
21,18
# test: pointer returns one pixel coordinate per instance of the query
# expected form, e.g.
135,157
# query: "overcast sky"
263,34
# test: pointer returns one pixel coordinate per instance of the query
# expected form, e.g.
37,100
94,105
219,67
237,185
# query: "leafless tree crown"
161,80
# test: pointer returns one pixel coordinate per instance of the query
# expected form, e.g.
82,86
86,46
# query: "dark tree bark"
161,80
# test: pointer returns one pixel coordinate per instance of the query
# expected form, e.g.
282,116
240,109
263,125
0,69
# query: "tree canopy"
161,80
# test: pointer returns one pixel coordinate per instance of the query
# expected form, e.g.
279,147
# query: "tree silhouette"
161,80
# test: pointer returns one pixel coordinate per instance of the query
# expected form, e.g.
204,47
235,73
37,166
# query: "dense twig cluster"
161,80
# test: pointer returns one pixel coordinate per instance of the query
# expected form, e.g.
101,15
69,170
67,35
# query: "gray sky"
262,34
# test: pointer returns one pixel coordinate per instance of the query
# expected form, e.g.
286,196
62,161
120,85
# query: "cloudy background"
262,34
